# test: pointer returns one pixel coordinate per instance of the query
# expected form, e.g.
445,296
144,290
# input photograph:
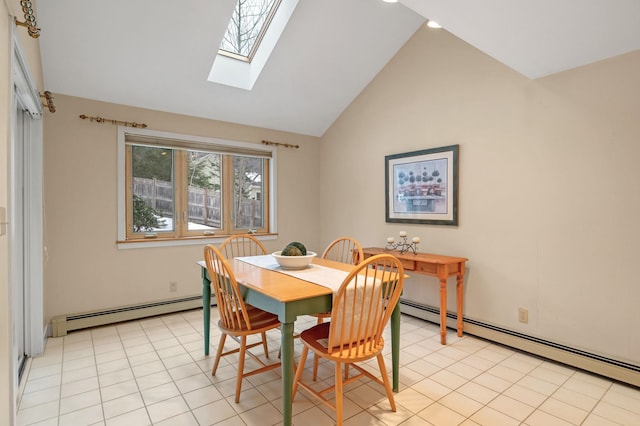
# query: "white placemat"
316,274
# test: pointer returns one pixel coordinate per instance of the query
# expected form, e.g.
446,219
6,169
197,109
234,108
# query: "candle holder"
403,245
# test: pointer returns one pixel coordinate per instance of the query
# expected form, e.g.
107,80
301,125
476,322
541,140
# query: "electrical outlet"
173,286
523,315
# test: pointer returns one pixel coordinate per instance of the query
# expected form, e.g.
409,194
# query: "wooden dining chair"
361,309
242,245
238,320
344,250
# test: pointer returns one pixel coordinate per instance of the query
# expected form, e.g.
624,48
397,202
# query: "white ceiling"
157,54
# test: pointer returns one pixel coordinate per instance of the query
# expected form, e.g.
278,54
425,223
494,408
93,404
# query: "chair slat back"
231,306
363,305
242,245
345,250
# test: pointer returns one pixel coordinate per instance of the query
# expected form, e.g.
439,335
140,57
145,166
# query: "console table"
434,265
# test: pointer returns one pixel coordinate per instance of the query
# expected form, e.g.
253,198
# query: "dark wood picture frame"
422,186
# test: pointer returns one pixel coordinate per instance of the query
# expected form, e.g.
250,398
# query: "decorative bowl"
294,262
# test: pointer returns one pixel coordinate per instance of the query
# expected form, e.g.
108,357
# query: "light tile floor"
153,371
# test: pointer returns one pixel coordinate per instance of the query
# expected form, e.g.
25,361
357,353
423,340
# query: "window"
247,27
180,187
252,34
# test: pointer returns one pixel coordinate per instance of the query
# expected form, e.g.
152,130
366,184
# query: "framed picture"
422,186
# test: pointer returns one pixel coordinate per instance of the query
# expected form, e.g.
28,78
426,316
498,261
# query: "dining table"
288,297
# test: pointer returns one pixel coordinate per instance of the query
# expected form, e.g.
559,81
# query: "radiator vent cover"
62,324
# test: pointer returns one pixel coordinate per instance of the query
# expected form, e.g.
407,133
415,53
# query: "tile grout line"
181,327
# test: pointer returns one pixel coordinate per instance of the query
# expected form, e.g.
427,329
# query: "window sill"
185,241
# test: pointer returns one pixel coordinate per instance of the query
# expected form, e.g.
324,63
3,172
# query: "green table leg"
287,370
206,308
395,346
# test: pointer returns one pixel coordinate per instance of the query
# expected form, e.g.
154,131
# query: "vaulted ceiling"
157,54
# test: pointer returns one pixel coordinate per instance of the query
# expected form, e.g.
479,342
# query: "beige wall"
32,54
84,269
548,192
549,200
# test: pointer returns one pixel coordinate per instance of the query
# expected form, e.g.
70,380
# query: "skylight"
247,27
240,67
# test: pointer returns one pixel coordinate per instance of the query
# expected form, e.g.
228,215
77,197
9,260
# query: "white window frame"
122,242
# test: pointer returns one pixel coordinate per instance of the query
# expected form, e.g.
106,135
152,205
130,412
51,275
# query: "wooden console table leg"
443,310
460,291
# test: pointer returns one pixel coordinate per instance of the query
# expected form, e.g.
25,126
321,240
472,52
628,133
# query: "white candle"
390,239
403,233
416,240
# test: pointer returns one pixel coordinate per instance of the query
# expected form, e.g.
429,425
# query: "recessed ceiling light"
390,1
433,24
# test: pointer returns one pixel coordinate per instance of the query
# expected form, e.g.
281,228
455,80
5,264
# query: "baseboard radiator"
62,324
597,364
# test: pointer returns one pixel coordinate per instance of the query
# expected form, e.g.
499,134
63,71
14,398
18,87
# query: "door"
25,217
18,236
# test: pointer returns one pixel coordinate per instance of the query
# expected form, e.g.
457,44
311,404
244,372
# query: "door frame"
28,267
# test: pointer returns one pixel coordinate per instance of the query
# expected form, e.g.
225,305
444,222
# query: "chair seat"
260,321
316,339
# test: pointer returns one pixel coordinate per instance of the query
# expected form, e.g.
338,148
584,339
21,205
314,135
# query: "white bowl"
294,262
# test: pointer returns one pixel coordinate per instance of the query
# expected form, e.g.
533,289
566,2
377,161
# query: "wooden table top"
278,286
420,257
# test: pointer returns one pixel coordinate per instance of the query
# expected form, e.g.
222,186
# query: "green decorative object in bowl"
294,249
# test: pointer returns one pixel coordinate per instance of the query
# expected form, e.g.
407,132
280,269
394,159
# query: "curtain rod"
29,19
286,145
48,101
115,122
